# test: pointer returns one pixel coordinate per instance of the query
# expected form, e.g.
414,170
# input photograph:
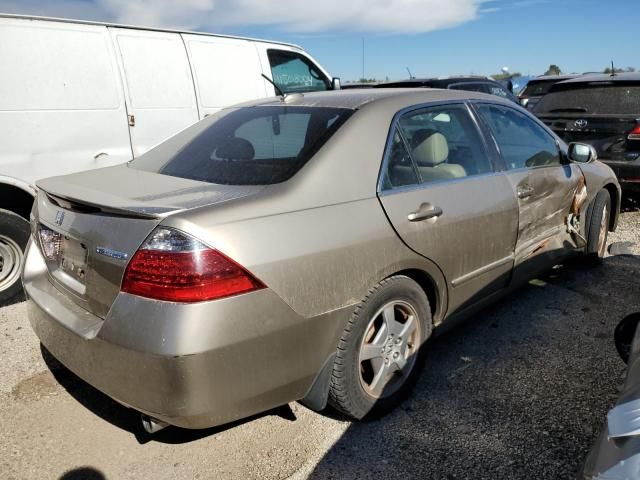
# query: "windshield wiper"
568,109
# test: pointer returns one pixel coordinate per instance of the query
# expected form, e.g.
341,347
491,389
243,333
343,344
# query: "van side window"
522,142
295,73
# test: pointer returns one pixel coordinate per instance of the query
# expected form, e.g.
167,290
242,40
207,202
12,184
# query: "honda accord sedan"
303,248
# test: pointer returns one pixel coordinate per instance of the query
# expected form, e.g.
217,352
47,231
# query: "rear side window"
615,98
470,87
523,143
294,73
435,144
248,146
537,88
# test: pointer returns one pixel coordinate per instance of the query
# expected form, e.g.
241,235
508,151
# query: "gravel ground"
518,392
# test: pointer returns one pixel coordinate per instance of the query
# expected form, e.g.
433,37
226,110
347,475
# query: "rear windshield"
248,146
538,88
590,98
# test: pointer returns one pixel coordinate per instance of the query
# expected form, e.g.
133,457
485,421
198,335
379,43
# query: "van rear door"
159,89
226,71
62,109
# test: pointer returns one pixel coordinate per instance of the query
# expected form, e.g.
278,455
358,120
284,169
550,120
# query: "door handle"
426,211
132,120
525,191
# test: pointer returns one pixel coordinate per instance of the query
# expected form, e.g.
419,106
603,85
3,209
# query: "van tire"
14,235
350,392
598,218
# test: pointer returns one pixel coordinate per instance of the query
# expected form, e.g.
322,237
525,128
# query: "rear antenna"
411,77
278,91
613,70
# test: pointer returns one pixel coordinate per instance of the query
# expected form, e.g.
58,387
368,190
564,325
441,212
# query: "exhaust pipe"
152,425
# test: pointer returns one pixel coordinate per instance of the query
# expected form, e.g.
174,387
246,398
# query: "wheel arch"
615,205
431,288
16,196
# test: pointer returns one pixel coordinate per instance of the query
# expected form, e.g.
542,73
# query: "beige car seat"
431,154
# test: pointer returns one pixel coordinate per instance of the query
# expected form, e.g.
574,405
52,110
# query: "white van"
77,95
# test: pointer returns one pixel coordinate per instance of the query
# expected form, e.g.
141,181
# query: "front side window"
522,142
435,144
247,146
294,73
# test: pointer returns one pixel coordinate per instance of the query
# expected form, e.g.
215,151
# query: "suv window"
537,88
592,98
294,73
434,144
522,142
247,146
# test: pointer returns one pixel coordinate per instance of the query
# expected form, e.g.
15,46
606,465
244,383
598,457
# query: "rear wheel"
14,234
598,227
379,355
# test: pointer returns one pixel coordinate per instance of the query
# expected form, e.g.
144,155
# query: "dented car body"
300,206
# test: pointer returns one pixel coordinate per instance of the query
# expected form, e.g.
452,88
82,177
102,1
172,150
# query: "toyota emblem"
580,123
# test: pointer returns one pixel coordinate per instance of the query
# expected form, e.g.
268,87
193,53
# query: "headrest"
431,151
235,148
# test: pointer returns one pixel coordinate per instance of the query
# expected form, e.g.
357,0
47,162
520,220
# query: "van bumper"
189,365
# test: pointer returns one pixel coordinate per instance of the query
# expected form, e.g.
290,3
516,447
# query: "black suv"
472,84
538,88
602,110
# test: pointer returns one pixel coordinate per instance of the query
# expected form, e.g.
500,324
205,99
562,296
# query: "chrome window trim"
381,191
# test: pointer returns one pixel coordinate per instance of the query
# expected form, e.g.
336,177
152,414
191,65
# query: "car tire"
361,386
14,235
598,214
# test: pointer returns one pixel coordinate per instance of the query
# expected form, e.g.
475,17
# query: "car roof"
417,82
358,98
605,77
558,78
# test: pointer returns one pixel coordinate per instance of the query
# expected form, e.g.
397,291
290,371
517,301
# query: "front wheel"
598,227
379,355
14,235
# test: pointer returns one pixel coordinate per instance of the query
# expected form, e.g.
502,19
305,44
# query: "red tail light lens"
634,134
174,267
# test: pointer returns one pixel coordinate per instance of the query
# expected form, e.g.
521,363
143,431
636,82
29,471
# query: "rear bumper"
628,173
193,366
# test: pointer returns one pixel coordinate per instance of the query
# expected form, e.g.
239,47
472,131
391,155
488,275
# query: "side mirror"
524,102
335,83
624,335
582,153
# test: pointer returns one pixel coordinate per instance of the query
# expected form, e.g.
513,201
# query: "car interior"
443,144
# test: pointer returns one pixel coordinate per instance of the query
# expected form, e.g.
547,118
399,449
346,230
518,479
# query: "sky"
429,37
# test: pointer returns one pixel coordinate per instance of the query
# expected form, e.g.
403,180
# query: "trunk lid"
104,215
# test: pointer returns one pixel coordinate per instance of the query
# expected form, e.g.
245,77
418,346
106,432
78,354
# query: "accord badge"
107,252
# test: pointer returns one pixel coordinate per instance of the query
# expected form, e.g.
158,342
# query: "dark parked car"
470,84
538,88
616,454
601,110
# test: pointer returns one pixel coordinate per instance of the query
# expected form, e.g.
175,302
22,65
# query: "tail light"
49,242
635,133
175,267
